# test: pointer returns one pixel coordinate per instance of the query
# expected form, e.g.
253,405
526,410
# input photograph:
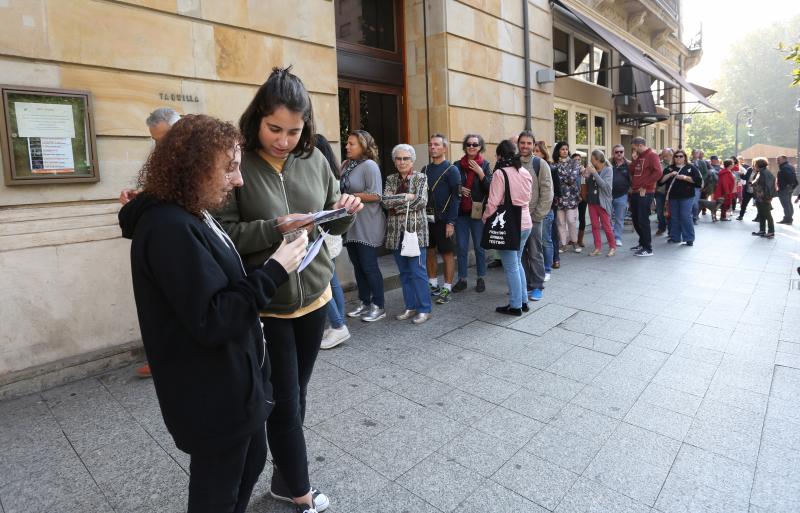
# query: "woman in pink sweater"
520,182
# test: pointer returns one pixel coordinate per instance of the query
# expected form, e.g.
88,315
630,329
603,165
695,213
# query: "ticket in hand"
323,216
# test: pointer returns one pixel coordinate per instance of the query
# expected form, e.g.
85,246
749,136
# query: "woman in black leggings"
285,177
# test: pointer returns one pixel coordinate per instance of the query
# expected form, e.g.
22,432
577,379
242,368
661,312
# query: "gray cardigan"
602,182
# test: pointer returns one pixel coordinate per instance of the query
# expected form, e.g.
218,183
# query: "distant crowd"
235,283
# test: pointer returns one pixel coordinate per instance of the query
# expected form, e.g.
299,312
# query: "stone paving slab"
668,384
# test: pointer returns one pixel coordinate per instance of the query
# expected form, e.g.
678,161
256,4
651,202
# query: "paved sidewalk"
663,384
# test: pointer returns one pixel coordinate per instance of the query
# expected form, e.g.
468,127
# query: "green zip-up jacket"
249,218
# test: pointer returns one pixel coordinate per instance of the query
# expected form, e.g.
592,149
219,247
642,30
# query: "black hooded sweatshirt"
198,315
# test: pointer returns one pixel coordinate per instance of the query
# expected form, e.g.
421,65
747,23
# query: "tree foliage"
756,74
712,133
793,55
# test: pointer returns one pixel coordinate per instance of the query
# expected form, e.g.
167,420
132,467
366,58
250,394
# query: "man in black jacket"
787,181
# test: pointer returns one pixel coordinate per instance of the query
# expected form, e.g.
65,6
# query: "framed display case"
47,136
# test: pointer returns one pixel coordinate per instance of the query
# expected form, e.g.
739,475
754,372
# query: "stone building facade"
400,68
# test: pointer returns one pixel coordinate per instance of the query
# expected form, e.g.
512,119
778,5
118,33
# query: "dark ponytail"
282,89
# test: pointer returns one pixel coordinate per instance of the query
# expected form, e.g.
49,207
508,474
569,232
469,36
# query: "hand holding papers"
313,251
294,222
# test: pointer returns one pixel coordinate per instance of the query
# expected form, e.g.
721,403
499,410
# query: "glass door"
376,109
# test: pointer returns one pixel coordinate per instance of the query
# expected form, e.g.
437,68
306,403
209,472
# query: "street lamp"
750,111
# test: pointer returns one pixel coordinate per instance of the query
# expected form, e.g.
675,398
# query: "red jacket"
645,172
726,185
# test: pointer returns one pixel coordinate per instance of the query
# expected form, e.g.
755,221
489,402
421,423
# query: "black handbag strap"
507,201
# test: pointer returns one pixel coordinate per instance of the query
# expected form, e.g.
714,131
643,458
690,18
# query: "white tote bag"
410,245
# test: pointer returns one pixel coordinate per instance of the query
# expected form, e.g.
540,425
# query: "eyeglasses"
619,151
680,156
473,145
402,159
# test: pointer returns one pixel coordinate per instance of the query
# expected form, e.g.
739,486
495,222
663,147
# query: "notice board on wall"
47,136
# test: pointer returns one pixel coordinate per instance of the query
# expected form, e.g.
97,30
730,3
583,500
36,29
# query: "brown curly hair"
184,162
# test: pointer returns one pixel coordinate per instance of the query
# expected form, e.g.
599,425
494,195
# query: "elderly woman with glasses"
405,198
681,179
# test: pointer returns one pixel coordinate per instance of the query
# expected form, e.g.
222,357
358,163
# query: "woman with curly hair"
198,310
285,177
569,172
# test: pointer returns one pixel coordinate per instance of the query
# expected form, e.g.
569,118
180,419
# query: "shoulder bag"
409,247
503,229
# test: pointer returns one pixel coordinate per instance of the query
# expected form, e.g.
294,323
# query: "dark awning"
633,55
644,96
689,88
705,91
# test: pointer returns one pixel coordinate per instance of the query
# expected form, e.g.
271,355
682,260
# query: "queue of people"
236,286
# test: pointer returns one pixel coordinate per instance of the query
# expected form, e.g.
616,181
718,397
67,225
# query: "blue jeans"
368,275
547,240
466,226
336,305
620,206
696,204
515,274
661,200
680,220
554,238
414,279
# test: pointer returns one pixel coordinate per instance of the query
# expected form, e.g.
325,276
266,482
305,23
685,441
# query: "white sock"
434,282
449,286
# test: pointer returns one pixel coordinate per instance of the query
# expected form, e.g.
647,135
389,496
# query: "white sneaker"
546,276
334,337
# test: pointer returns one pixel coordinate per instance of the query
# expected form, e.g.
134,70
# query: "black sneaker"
435,291
690,243
516,312
643,253
672,241
460,286
480,286
769,236
525,307
636,248
443,297
758,234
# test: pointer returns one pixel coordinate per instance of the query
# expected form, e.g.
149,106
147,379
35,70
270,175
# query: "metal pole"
736,144
797,157
526,51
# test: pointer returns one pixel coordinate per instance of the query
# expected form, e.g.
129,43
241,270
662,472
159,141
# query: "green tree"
757,74
793,55
712,133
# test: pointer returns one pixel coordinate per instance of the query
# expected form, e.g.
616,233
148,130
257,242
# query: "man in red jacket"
645,173
726,189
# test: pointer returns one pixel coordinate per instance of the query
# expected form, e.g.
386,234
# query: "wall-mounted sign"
179,97
47,135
